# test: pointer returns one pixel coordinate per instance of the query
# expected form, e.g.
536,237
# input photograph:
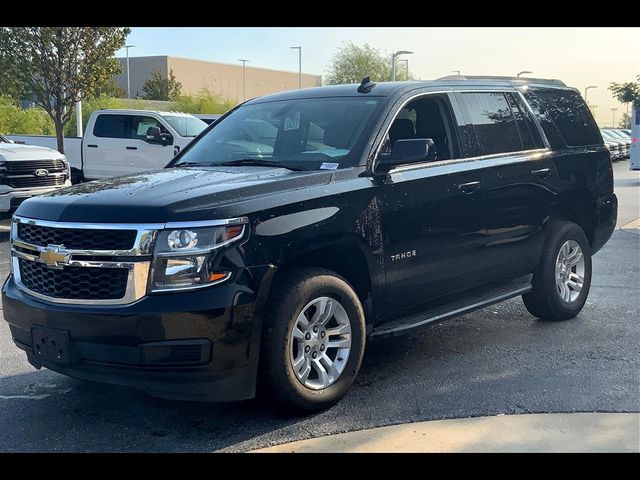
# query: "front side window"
141,125
493,122
425,117
308,134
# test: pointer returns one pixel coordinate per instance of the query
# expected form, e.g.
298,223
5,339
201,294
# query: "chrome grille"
74,282
22,173
77,238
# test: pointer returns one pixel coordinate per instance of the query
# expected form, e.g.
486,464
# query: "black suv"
303,223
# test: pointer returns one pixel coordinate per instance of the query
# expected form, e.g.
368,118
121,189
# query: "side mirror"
154,135
405,151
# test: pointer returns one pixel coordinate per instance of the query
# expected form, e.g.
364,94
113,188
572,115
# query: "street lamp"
127,47
614,110
523,72
299,65
244,83
393,62
586,89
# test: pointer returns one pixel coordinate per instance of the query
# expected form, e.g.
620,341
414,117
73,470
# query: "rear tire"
562,279
314,322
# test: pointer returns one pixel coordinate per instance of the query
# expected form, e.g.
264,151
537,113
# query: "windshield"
616,133
186,126
315,133
607,135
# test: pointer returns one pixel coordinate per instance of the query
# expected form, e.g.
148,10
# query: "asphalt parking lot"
499,360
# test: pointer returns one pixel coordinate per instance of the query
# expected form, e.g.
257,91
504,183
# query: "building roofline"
217,63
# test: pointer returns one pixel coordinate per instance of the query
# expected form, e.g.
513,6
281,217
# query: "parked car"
208,118
28,170
625,144
122,142
615,149
304,224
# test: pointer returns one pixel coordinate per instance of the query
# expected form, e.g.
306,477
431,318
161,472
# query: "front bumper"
10,200
200,345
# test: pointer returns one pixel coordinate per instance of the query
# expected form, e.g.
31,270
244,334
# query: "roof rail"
550,81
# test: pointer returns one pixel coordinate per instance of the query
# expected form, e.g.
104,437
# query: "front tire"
562,279
313,342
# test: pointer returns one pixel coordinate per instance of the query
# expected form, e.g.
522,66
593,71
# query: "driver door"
140,155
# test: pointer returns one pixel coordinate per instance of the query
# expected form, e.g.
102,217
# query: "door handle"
541,172
469,187
92,146
131,148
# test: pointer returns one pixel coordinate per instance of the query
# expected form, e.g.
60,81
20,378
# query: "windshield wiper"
258,162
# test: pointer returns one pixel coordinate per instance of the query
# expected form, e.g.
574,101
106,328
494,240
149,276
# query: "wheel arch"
578,206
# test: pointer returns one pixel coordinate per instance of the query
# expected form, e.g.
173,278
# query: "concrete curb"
557,432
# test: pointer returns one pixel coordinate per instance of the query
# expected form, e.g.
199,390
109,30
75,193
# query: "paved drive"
499,360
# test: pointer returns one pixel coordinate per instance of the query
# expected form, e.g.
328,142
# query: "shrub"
32,121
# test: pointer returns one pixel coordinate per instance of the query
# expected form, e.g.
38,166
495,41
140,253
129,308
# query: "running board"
450,310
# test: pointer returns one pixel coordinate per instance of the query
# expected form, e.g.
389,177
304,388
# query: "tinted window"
529,134
566,110
111,126
493,122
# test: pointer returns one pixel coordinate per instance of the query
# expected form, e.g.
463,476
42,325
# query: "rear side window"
566,111
111,126
493,122
529,134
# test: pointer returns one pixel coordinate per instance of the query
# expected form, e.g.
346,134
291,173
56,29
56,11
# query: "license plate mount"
50,344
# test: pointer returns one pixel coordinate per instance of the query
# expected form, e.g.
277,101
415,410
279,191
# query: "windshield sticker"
292,123
329,166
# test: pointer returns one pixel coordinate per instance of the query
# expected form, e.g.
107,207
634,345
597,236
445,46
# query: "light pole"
299,65
523,72
613,124
393,62
457,72
127,47
586,90
244,83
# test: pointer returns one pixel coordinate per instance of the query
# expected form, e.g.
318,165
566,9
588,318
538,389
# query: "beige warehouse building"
219,78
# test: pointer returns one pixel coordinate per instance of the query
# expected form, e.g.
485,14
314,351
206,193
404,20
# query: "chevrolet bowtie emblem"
54,256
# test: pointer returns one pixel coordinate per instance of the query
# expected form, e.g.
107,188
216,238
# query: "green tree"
111,89
627,93
352,63
159,87
61,65
100,102
203,102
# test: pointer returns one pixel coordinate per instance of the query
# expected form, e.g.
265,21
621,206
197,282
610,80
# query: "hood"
172,194
17,151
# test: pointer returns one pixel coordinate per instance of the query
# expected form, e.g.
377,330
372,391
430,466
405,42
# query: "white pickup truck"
28,170
122,142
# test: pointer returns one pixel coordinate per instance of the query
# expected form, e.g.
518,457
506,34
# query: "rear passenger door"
520,194
102,148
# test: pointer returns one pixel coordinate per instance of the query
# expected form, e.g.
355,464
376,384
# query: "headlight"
185,257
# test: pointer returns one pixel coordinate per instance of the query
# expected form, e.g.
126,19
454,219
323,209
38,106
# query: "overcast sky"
578,56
